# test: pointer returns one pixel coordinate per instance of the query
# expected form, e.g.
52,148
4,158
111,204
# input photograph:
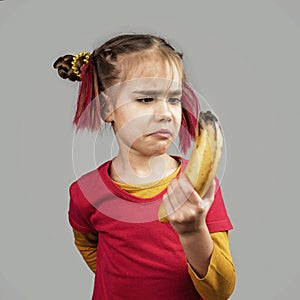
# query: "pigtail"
64,67
81,67
88,105
190,112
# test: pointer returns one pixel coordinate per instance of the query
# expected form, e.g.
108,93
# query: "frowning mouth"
165,133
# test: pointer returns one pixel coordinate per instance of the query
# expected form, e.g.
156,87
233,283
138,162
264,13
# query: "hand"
185,208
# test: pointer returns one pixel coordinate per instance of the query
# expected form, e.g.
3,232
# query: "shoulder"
90,178
86,185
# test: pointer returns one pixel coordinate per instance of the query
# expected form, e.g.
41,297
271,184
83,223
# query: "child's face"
146,104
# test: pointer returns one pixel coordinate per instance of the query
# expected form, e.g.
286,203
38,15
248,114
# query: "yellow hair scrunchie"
86,56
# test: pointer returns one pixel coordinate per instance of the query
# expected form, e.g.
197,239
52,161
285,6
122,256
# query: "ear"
109,118
106,108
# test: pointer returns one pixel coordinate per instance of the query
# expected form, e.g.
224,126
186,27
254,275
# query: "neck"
134,169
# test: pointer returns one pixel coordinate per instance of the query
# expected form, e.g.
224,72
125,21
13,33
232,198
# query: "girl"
137,84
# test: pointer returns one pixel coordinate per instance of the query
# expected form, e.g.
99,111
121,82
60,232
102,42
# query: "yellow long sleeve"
219,282
87,243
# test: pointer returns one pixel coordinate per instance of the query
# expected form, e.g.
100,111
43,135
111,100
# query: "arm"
87,243
219,281
198,248
187,214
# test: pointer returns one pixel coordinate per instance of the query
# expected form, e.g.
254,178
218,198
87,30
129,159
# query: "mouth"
164,133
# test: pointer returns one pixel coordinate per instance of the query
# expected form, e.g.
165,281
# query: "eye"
145,100
175,100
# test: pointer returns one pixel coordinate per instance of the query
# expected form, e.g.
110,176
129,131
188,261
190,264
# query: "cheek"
131,126
134,119
178,116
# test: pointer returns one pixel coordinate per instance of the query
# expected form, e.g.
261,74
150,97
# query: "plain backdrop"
241,56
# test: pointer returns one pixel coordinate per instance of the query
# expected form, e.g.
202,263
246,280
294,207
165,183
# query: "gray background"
242,56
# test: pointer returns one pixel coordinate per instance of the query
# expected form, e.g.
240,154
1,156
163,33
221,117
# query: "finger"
187,188
167,203
177,196
194,198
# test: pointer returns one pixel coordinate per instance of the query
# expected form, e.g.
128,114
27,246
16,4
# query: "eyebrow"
157,92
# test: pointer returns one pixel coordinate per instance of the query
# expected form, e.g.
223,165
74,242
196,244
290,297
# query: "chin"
162,150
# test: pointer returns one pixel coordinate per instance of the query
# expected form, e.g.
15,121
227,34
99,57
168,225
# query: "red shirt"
137,256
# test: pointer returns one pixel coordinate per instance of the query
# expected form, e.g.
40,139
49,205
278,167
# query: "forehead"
152,85
144,87
150,64
154,76
150,74
156,69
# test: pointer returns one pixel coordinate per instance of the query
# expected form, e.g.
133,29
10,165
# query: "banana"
205,157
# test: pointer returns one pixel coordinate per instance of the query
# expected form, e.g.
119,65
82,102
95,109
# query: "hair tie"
86,56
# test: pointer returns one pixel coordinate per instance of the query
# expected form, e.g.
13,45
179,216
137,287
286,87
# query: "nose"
162,111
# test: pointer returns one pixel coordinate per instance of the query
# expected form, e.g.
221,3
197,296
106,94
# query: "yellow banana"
205,157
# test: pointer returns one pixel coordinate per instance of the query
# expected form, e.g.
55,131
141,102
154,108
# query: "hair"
112,63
